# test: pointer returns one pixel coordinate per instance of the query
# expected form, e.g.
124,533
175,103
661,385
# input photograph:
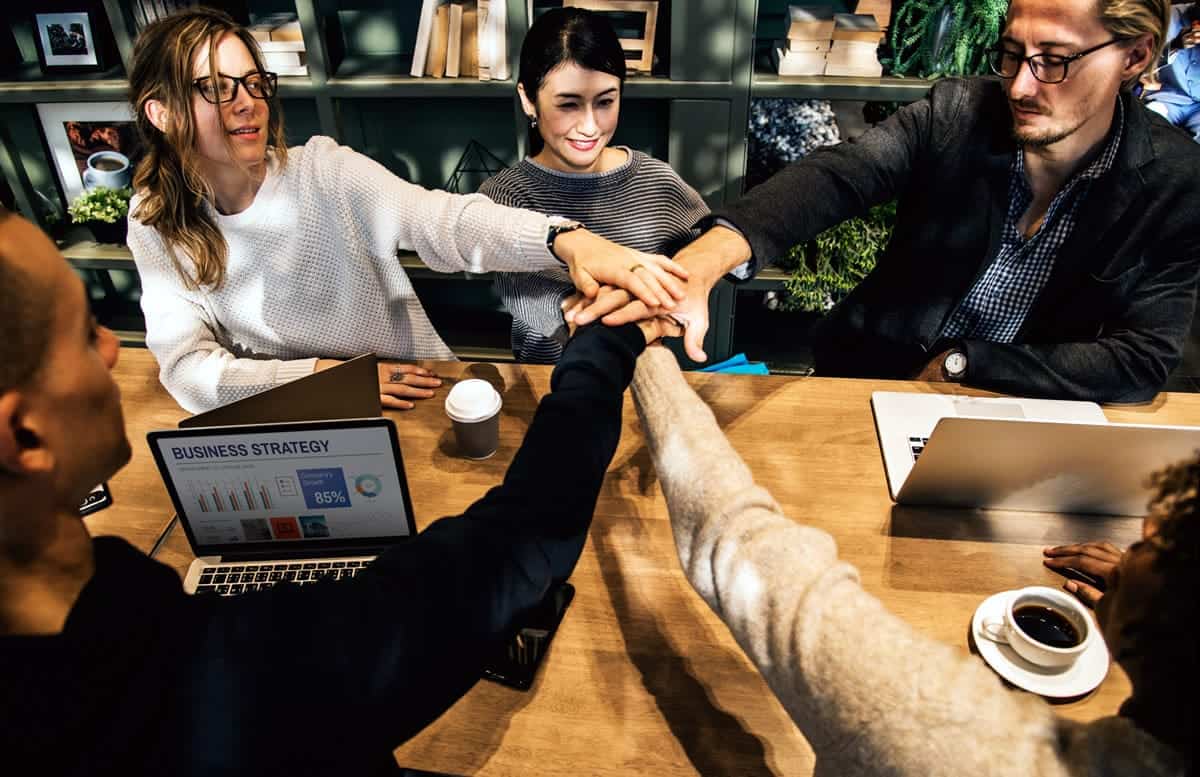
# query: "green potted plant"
104,212
827,268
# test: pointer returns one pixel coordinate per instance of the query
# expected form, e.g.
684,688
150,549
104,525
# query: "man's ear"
22,449
1138,57
158,115
526,105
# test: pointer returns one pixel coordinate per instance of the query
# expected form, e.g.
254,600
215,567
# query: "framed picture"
66,42
635,22
91,144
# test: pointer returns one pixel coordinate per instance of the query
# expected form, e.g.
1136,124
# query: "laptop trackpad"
987,408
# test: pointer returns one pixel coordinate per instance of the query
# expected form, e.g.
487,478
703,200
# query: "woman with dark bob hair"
570,83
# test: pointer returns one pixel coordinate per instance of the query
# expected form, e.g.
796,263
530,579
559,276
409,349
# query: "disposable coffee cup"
1044,626
474,408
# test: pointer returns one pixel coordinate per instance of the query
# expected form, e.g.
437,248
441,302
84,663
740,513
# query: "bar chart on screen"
230,496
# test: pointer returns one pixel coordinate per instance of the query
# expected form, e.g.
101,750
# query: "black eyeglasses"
260,86
1047,68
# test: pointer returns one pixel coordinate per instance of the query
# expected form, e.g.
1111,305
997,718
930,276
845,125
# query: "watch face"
956,363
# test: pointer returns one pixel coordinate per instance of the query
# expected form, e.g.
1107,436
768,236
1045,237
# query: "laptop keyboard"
916,445
234,579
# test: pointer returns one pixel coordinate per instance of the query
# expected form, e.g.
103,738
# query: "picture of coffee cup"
474,409
107,168
1044,626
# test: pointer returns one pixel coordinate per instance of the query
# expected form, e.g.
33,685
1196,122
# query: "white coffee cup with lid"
474,408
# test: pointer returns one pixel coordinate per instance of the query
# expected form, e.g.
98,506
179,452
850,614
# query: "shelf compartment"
840,87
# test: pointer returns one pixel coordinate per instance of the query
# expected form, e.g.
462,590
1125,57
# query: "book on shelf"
880,9
854,53
833,69
424,33
804,46
454,41
810,22
498,23
856,27
481,45
439,37
281,43
794,63
468,60
464,39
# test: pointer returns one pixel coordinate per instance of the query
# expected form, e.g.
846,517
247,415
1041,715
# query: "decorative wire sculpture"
483,165
932,38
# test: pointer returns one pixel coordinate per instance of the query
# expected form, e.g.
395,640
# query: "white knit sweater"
312,273
870,694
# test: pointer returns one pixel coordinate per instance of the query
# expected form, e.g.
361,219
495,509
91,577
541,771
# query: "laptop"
347,390
263,503
1020,454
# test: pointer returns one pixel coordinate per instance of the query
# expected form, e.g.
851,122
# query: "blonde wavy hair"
1134,18
176,200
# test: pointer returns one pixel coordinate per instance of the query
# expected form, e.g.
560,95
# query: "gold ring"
636,267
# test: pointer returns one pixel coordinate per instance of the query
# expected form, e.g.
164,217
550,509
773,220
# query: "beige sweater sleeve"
870,694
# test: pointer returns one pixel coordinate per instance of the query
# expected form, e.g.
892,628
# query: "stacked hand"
1094,559
706,260
653,329
594,262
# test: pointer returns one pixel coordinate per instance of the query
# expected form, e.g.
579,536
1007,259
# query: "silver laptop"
300,502
1020,454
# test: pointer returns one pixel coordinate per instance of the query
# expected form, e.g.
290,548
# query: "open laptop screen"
278,489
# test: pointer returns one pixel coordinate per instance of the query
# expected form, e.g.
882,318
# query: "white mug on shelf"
107,168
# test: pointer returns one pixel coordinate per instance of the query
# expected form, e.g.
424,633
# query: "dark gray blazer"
1110,323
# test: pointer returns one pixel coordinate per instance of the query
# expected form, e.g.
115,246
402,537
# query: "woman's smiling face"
577,112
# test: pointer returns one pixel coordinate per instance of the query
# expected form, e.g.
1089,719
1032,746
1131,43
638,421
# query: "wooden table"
642,677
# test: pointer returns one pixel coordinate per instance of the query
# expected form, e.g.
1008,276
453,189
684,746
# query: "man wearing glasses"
1044,243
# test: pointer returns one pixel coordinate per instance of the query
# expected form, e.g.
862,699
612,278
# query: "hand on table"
400,383
1094,559
594,261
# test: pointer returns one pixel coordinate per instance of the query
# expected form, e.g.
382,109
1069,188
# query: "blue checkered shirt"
997,305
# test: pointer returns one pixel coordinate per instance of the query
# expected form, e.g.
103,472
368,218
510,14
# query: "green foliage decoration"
831,265
934,38
101,204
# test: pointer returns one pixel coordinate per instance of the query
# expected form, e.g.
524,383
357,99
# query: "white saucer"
1080,678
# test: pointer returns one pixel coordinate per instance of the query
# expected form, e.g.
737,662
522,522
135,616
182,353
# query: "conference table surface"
642,678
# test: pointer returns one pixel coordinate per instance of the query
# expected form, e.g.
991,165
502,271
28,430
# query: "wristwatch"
954,366
557,228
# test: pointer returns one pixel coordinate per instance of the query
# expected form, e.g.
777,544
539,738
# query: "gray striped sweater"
643,204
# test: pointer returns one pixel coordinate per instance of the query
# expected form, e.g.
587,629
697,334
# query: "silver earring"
533,122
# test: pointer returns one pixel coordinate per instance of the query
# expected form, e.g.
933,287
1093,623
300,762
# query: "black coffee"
1046,625
108,164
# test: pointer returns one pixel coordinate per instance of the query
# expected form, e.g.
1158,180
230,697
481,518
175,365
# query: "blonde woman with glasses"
260,264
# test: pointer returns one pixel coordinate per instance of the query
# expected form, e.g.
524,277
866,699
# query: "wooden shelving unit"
701,92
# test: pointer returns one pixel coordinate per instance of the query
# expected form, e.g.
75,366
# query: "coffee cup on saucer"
107,168
1044,626
474,408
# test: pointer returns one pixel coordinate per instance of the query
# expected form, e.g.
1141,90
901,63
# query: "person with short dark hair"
571,82
109,668
1045,235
